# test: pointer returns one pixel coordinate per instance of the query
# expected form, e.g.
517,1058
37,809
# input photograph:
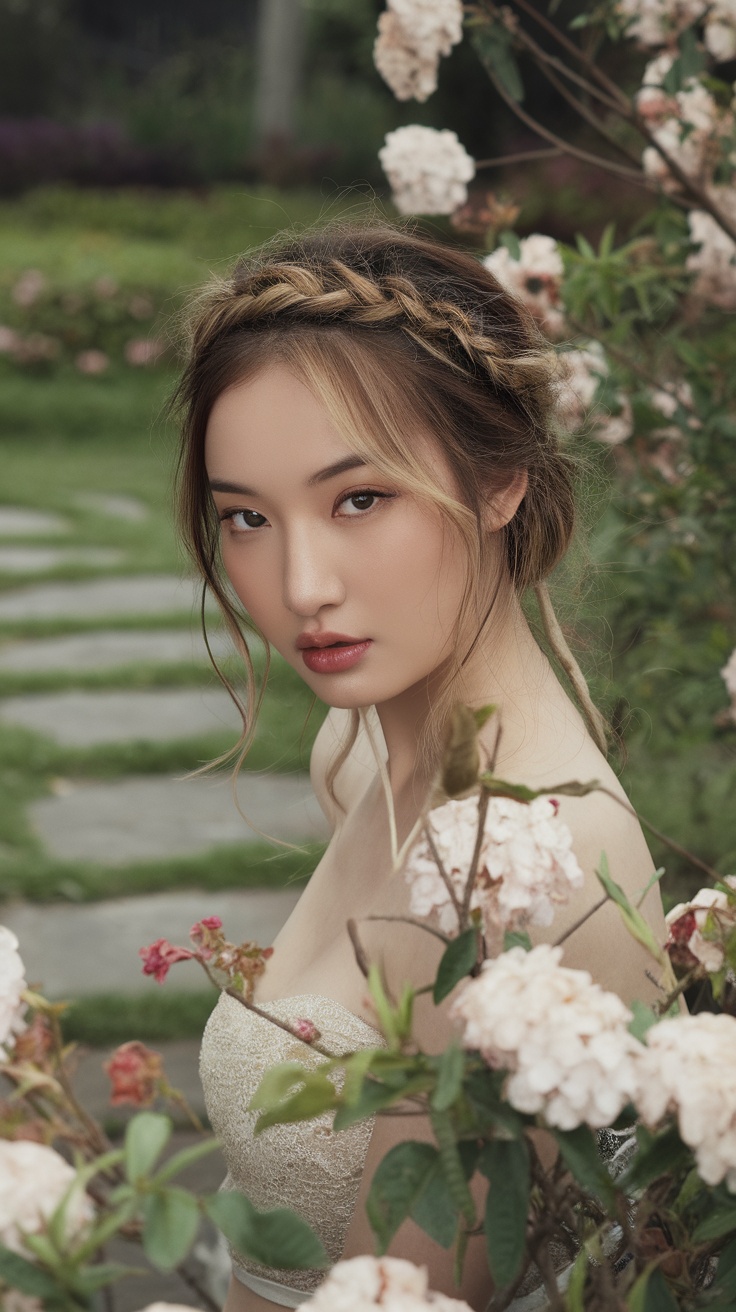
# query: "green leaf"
720,1221
644,1018
376,1095
484,714
449,1078
507,1207
397,1184
659,1296
92,1278
434,1210
453,1169
278,1238
579,1151
170,1222
726,1274
494,46
632,918
146,1137
317,1095
655,878
484,1095
23,1275
457,961
575,1292
516,938
187,1157
276,1084
382,1006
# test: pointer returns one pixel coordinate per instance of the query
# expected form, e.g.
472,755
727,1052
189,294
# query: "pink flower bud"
305,1029
135,1072
160,956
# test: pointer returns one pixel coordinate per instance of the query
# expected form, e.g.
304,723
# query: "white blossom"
428,170
689,1070
653,102
583,370
714,263
33,1181
412,36
728,674
720,30
562,1038
659,22
711,910
526,865
12,986
695,136
363,1283
535,277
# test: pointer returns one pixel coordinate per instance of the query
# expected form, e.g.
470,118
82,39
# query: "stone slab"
111,649
34,560
18,522
86,719
145,594
113,507
74,950
154,818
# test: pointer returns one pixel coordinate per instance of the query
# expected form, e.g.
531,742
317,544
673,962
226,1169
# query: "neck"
506,669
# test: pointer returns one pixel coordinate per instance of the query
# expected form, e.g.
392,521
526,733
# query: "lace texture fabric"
306,1166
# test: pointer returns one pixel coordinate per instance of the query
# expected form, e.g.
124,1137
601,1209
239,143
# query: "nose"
311,573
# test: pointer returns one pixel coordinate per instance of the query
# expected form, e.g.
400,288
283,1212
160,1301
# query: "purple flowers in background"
41,150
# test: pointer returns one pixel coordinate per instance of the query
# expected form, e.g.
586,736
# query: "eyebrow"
322,476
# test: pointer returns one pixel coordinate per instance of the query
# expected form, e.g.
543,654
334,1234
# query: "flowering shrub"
636,1212
90,326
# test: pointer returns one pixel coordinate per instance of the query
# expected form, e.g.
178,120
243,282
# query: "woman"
370,467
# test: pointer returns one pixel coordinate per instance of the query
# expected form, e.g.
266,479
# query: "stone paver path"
86,719
111,649
17,522
93,948
145,818
36,560
145,594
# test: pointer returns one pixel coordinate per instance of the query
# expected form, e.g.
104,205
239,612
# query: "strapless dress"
306,1166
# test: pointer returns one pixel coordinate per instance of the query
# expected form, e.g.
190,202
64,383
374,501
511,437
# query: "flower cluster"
364,1283
240,964
33,1181
699,930
535,277
660,22
526,865
689,1069
412,36
136,1074
12,988
428,170
562,1039
696,134
582,372
714,260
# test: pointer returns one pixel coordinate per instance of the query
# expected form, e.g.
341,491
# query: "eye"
243,521
357,503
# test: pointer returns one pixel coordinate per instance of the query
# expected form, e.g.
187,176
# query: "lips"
330,653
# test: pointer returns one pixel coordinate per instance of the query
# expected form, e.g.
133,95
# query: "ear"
503,503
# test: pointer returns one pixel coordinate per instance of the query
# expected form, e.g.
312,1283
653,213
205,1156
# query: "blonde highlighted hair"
399,337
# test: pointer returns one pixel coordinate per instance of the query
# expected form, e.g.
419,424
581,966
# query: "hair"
398,336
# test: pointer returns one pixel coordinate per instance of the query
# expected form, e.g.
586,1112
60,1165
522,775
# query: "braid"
283,292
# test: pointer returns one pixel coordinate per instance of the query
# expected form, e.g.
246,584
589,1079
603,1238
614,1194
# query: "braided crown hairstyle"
398,336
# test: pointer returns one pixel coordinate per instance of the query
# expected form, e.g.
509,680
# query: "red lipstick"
330,653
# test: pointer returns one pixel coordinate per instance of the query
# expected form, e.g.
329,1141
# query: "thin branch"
443,873
598,161
360,957
569,932
669,842
280,1024
521,157
197,1288
409,920
630,363
483,801
588,64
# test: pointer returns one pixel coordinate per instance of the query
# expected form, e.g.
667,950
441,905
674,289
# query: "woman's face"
353,580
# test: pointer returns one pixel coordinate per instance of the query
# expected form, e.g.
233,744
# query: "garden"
614,220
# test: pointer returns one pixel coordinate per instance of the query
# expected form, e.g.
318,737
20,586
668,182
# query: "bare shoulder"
603,827
355,774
